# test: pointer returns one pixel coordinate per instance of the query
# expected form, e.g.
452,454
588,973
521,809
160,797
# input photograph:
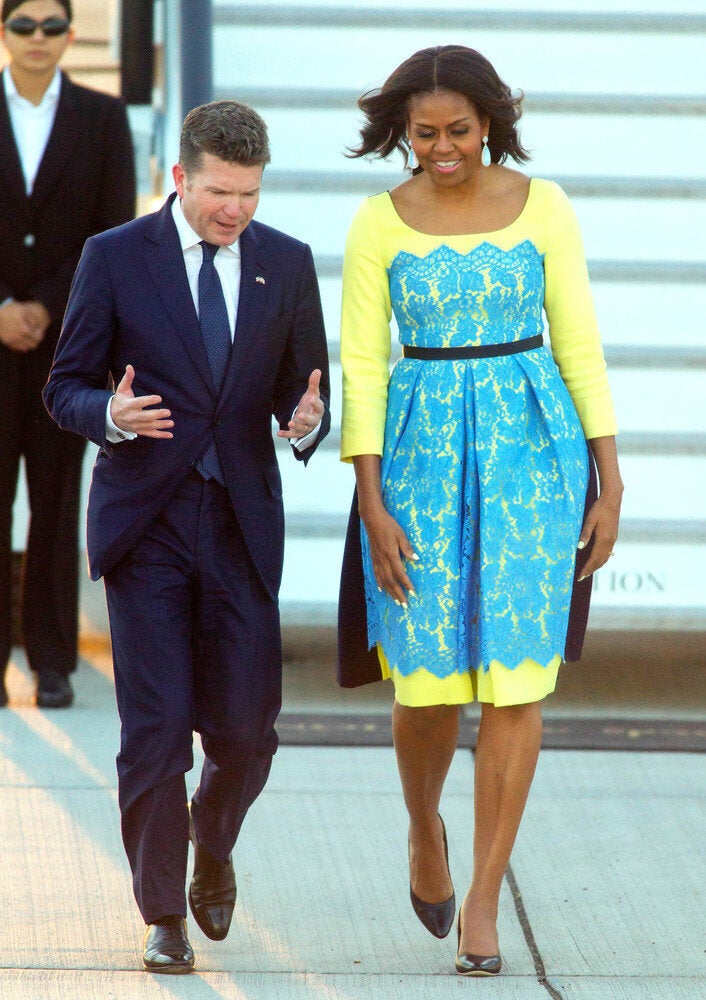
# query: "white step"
629,62
533,10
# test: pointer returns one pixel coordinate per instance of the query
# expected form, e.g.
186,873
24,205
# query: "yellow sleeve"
365,338
573,328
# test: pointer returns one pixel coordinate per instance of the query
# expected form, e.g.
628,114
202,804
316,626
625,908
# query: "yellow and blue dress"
484,459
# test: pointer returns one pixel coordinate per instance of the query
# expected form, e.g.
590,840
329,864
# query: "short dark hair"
442,67
9,5
227,129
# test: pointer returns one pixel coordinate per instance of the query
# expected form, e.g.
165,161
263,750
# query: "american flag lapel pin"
259,279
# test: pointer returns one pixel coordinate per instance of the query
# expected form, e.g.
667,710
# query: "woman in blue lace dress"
471,459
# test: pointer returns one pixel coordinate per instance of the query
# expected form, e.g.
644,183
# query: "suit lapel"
9,154
65,134
165,262
251,301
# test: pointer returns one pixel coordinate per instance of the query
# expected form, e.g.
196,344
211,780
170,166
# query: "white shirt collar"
51,94
188,238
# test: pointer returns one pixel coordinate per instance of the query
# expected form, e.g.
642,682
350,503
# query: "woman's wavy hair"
448,67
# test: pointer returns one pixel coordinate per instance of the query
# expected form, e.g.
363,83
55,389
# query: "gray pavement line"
529,936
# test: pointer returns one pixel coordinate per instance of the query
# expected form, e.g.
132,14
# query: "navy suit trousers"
196,647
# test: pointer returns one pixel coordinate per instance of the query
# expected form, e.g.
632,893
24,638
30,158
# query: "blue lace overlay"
484,466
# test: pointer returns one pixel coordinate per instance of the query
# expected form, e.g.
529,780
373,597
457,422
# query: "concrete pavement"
605,898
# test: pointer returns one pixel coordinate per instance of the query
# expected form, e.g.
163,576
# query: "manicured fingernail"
398,603
404,605
581,579
581,545
415,557
412,593
379,590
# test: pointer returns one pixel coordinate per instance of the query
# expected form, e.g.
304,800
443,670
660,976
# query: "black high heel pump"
475,965
438,918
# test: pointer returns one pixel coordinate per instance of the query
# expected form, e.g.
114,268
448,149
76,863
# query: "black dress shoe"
212,892
475,965
438,918
167,948
53,690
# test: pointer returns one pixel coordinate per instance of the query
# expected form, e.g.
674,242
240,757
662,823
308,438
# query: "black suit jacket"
131,304
85,184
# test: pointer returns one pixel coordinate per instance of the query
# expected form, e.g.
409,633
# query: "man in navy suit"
208,324
66,172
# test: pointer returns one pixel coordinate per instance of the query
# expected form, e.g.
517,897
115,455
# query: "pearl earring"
412,161
485,157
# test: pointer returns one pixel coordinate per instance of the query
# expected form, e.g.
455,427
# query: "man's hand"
23,325
309,412
129,412
38,315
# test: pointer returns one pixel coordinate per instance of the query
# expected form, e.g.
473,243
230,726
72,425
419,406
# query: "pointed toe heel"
467,964
438,918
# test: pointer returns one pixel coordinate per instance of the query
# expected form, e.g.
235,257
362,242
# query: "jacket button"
29,240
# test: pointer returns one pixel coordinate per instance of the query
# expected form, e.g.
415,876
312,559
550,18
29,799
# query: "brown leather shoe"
212,892
166,947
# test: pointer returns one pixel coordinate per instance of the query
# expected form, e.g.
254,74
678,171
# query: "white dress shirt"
31,124
227,264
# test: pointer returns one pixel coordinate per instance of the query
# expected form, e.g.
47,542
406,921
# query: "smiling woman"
480,526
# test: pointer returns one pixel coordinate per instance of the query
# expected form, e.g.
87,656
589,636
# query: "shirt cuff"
302,443
113,433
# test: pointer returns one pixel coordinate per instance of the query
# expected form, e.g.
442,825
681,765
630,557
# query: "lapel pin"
260,279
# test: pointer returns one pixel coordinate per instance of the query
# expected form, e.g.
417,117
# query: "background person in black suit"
209,324
66,172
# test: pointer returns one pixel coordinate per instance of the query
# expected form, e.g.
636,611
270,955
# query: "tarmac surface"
605,897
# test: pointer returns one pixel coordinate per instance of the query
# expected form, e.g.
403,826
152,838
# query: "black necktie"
215,330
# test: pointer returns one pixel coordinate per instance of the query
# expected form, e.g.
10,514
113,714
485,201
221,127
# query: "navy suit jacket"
130,303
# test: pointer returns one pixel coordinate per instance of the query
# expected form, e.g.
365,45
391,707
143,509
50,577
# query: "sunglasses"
51,27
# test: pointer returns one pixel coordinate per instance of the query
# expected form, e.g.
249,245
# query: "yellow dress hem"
529,681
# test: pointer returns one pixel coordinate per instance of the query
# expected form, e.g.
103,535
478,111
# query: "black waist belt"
480,351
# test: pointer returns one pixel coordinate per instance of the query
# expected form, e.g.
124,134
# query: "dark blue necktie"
213,316
215,330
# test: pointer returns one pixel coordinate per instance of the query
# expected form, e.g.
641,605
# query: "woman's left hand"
601,524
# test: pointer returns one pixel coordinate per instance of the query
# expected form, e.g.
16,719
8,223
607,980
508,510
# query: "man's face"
36,53
219,199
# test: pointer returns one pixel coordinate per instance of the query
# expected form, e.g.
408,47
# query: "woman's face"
447,135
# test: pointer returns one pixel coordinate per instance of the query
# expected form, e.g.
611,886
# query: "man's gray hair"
227,129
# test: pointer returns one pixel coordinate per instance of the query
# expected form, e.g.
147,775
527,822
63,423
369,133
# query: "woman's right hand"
389,548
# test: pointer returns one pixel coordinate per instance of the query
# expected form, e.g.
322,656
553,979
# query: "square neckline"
461,236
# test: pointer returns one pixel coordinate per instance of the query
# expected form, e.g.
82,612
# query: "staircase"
615,112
